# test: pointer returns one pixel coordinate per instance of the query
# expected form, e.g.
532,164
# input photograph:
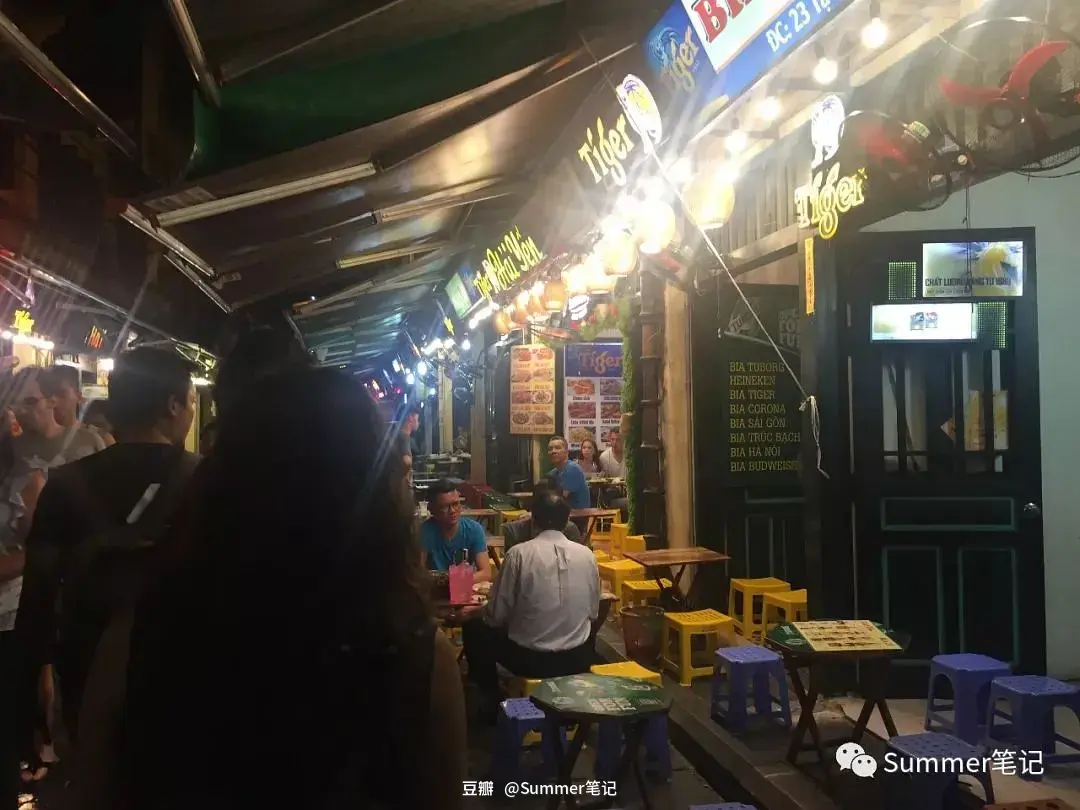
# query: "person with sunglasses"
447,538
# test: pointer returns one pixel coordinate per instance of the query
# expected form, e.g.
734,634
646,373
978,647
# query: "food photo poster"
532,391
593,392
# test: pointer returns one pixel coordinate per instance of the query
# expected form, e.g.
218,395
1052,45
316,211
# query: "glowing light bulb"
875,33
421,368
681,171
466,344
409,378
826,71
769,108
736,142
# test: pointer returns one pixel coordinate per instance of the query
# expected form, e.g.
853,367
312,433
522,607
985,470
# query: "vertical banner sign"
532,391
811,278
592,394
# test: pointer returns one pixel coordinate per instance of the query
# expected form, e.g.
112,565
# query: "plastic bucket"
642,626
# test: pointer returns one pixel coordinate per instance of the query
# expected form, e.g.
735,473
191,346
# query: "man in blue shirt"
447,537
568,478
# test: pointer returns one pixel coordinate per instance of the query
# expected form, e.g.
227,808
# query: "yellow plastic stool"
618,537
708,623
601,556
642,591
628,669
792,603
632,543
750,617
614,573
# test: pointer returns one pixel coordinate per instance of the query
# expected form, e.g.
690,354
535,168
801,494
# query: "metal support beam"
49,73
134,217
193,277
259,196
196,56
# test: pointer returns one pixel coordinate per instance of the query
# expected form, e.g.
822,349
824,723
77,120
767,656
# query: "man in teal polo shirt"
447,537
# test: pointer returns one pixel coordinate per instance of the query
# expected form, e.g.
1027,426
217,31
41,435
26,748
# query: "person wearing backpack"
96,524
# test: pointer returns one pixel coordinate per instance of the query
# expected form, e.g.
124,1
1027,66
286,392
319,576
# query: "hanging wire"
809,401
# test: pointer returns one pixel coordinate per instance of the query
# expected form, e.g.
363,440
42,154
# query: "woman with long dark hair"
286,657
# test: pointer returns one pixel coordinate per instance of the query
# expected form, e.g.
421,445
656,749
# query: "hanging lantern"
501,322
710,200
656,226
576,279
536,311
597,280
554,297
520,313
619,255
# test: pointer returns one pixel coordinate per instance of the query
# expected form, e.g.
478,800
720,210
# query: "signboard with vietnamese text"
592,393
515,254
973,269
712,51
747,418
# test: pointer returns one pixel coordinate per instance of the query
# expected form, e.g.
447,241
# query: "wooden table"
593,516
801,652
582,700
524,499
664,561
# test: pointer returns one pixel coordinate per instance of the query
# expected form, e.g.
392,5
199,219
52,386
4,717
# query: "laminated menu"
592,395
532,390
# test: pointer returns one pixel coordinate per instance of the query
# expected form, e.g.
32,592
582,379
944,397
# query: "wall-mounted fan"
1008,92
917,160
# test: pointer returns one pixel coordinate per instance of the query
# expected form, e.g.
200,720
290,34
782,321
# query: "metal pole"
189,38
193,277
48,72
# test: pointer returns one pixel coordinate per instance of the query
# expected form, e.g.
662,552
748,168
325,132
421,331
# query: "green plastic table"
584,700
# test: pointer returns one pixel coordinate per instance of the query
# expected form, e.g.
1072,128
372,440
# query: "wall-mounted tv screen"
923,323
973,270
461,292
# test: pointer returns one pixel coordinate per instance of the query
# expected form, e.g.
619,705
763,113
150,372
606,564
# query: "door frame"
1021,482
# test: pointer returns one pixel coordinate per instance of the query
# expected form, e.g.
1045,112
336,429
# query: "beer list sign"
760,433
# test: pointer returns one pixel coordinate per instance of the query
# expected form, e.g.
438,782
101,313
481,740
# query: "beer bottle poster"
592,394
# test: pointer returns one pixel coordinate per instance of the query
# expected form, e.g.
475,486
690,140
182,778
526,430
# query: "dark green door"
945,457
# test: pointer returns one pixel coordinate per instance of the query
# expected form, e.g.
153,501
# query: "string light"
421,368
736,141
875,33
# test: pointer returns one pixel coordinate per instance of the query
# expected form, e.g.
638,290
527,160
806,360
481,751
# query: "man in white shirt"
539,617
612,460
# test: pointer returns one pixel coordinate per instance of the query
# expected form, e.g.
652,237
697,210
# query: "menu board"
592,396
759,437
532,391
857,635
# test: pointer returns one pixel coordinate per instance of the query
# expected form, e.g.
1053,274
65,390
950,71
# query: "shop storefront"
867,403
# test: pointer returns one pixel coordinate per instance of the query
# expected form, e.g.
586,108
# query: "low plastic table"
583,700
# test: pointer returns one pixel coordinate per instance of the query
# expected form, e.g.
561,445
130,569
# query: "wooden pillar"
478,417
676,420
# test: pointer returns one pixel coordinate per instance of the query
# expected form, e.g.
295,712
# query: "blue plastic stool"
517,717
970,676
926,791
609,745
745,665
1032,700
